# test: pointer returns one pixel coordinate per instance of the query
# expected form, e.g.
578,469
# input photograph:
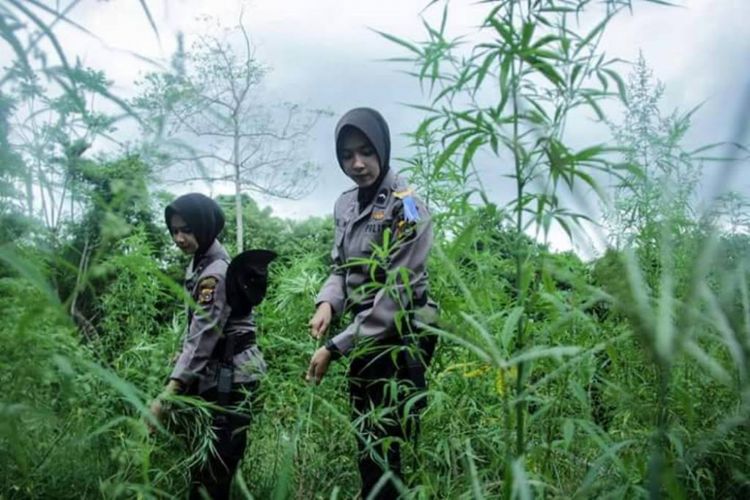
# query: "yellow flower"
504,377
477,372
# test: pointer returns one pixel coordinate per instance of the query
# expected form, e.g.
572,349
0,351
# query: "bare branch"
200,157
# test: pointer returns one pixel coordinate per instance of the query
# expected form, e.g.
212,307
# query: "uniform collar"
386,185
214,252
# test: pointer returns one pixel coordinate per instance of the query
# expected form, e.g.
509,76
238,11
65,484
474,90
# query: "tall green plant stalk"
520,255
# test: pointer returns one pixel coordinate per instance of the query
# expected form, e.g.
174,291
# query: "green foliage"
300,427
45,423
118,203
290,239
624,377
512,98
137,301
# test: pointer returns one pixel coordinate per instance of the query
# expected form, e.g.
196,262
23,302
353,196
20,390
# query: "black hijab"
202,214
375,128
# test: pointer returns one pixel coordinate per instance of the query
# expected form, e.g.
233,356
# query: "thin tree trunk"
44,199
238,189
82,267
86,327
62,202
30,192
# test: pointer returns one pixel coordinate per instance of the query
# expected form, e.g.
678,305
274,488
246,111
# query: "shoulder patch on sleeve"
411,211
207,290
407,214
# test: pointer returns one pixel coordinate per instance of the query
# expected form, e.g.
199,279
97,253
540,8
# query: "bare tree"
49,103
212,123
51,133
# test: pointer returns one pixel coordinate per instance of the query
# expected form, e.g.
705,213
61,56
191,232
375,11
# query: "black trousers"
382,380
213,477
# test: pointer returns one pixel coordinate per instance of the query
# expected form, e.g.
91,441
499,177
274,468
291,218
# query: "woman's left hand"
157,408
318,365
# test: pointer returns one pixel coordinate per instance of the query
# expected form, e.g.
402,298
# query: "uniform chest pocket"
338,233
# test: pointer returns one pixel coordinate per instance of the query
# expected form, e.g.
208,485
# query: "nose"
359,161
178,236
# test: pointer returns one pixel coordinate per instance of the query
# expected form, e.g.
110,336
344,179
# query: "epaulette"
411,212
403,193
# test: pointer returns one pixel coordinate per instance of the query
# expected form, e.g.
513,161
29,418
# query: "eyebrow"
364,145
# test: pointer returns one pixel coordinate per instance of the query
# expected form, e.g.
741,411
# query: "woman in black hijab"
219,349
388,298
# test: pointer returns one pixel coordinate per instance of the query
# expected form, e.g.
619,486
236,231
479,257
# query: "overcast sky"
323,55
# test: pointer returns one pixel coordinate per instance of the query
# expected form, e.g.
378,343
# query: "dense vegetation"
625,375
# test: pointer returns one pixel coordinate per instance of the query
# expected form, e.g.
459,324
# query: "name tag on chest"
375,227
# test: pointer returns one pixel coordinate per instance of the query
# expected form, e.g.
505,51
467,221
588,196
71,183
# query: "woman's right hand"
321,320
318,365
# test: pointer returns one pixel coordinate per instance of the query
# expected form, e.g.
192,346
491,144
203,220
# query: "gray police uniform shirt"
357,235
209,321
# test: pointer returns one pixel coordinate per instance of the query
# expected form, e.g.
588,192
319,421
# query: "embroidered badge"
206,290
381,199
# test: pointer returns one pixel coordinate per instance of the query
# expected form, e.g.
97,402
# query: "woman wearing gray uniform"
194,222
384,289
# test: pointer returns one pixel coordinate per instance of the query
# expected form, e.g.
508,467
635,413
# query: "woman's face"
358,158
182,235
